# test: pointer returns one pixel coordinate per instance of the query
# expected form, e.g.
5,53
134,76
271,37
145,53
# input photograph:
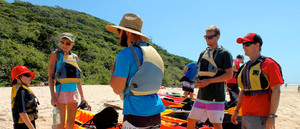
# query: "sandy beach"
96,95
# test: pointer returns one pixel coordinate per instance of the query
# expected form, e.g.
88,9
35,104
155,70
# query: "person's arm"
237,109
117,83
79,85
184,70
203,83
275,96
234,68
51,70
26,120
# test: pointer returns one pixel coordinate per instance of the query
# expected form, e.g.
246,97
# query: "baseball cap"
68,36
250,37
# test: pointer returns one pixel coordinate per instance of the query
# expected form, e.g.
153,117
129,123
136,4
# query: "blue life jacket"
147,80
68,70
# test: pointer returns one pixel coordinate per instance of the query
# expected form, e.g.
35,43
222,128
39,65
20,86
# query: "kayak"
175,101
167,122
171,101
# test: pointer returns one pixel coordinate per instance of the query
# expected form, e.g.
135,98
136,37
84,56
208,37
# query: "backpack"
68,70
188,104
147,80
207,65
107,118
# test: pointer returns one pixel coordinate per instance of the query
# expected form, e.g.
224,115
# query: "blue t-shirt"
126,67
192,71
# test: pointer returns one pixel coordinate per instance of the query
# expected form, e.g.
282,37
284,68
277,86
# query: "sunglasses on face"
247,44
67,43
209,36
26,75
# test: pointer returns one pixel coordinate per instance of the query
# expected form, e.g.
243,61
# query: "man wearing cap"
259,79
232,86
139,111
215,67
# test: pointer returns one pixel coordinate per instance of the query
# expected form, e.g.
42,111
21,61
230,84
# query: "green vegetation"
29,33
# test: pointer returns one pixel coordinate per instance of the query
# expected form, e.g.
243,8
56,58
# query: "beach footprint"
2,114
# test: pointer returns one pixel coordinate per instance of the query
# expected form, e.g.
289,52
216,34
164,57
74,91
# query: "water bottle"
56,116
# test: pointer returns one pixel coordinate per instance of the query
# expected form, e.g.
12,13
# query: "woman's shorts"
67,97
187,86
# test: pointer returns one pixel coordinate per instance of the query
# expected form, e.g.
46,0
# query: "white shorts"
214,111
187,86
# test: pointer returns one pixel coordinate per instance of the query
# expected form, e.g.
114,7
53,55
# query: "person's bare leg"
191,123
185,94
71,112
62,109
191,95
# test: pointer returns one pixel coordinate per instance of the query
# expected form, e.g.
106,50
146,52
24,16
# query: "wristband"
236,111
272,116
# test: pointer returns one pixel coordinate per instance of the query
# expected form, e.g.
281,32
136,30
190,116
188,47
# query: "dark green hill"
28,34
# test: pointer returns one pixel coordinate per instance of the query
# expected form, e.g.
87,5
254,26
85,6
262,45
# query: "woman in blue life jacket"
67,84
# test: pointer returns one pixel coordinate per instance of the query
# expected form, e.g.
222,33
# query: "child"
23,101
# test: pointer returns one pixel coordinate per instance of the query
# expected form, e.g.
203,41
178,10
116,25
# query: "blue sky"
179,26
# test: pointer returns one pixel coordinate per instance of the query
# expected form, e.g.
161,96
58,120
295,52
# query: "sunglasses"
26,75
247,44
209,36
67,43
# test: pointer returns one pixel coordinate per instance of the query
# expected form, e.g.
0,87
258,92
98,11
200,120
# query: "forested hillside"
28,34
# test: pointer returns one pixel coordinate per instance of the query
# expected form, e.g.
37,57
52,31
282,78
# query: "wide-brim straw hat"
131,23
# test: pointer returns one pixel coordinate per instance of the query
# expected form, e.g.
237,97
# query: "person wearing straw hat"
214,67
259,79
140,111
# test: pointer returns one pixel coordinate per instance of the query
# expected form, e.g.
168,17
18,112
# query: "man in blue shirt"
139,111
189,73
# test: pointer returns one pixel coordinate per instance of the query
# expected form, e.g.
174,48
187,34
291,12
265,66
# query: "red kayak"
171,101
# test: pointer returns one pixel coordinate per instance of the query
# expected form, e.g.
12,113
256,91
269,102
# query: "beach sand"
96,95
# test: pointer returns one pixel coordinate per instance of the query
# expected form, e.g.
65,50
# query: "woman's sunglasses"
247,44
26,75
67,43
209,36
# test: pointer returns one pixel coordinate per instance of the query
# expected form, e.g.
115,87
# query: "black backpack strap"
217,52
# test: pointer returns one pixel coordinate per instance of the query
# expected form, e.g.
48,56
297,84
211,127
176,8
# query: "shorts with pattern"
67,97
188,86
203,110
